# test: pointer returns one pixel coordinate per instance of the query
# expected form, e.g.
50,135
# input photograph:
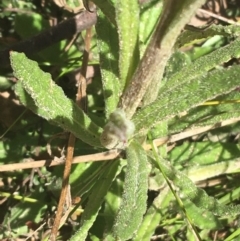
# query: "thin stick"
62,199
81,102
103,156
190,132
214,15
55,34
115,153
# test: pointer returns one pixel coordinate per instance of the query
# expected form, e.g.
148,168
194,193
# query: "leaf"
173,22
134,198
112,203
228,108
202,219
26,210
83,177
188,191
196,154
96,198
153,216
151,67
27,25
186,95
206,159
107,9
109,55
176,63
128,38
203,64
234,236
46,99
189,37
149,15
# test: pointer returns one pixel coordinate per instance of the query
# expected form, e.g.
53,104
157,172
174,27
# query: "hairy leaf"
149,16
107,9
128,38
151,66
184,96
40,94
202,65
227,108
189,37
153,216
109,55
95,201
134,198
174,23
188,191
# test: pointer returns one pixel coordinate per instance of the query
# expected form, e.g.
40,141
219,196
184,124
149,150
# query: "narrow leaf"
127,17
95,201
134,198
107,9
228,108
49,101
202,219
186,96
151,67
189,37
153,216
189,192
202,65
149,16
108,48
176,15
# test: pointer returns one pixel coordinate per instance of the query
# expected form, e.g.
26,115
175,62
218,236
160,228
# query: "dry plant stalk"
115,153
81,102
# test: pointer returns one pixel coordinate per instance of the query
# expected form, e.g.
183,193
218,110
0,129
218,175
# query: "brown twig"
103,156
64,30
65,183
112,154
221,18
81,100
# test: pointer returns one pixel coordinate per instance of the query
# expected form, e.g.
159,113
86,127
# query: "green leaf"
203,64
202,219
173,23
134,198
109,55
206,159
83,177
208,114
112,203
186,95
234,236
153,216
196,154
149,16
188,191
25,210
49,101
96,198
128,38
27,25
151,68
176,63
189,37
107,8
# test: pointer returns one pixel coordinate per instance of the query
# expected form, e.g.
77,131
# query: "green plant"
147,82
